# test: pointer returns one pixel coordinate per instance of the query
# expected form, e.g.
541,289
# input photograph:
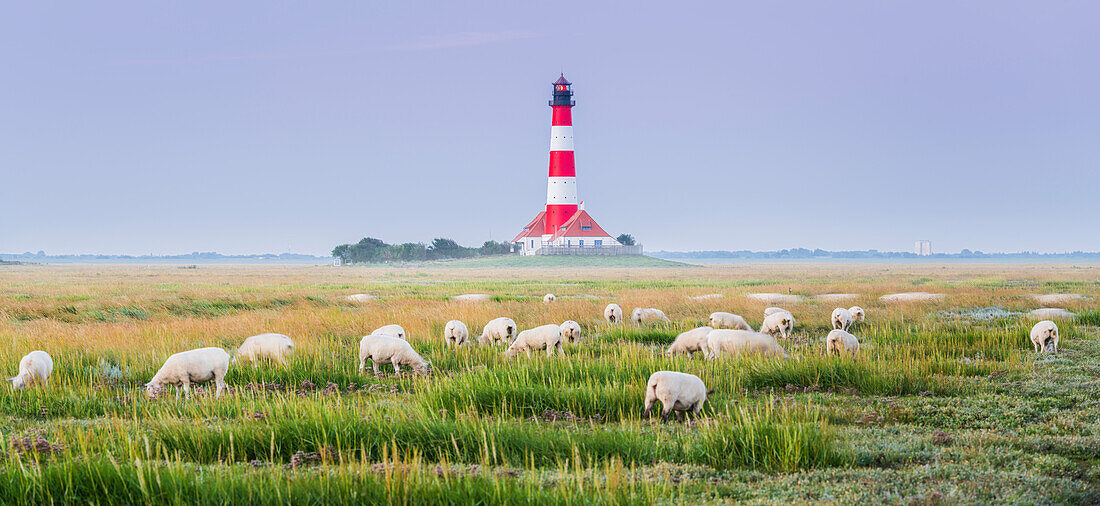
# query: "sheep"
361,297
857,314
570,331
34,368
640,315
270,346
383,349
548,298
613,313
677,391
842,318
781,323
455,333
690,342
840,342
1044,335
498,330
546,337
722,341
392,330
768,311
720,320
187,367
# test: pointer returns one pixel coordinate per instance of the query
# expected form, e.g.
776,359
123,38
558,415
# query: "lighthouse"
564,227
561,185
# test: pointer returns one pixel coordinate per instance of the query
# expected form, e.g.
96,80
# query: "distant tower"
923,248
561,185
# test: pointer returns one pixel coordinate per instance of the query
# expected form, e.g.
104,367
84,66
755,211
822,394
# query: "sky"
254,127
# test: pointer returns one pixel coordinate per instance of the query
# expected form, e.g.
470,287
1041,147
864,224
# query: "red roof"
562,80
580,225
533,229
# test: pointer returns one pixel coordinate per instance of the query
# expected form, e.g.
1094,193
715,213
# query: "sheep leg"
220,382
396,368
664,414
377,370
186,390
679,416
528,350
1037,347
648,407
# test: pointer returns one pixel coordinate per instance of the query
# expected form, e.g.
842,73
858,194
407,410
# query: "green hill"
559,261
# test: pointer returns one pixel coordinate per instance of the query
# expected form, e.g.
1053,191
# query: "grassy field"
946,404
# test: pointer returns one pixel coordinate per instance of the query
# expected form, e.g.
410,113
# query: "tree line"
374,250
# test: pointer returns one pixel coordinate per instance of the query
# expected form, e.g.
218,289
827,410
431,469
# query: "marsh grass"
561,429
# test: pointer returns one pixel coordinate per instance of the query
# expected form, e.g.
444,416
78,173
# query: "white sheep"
546,337
690,342
737,342
188,367
781,323
771,310
455,333
857,314
1044,335
841,342
677,391
361,297
548,298
642,315
392,330
498,330
34,368
382,349
613,313
721,320
841,318
570,331
265,346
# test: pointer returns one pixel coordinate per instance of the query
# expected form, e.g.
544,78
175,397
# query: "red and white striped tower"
561,186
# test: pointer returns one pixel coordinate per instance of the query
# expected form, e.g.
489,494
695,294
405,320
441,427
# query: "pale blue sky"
259,127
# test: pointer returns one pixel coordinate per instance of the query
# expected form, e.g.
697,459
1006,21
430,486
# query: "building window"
532,243
599,242
586,228
582,242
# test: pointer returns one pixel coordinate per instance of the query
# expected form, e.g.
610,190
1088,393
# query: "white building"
923,248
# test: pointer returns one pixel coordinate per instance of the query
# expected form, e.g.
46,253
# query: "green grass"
558,261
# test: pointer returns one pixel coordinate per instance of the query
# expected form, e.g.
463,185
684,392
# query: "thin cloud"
465,39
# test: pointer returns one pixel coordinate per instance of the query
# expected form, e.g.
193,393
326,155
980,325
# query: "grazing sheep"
720,320
840,342
677,391
842,318
570,331
737,342
690,342
392,330
548,298
772,310
546,337
613,313
641,315
857,314
270,346
498,330
383,349
1044,335
472,297
781,323
361,297
34,368
187,367
455,333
